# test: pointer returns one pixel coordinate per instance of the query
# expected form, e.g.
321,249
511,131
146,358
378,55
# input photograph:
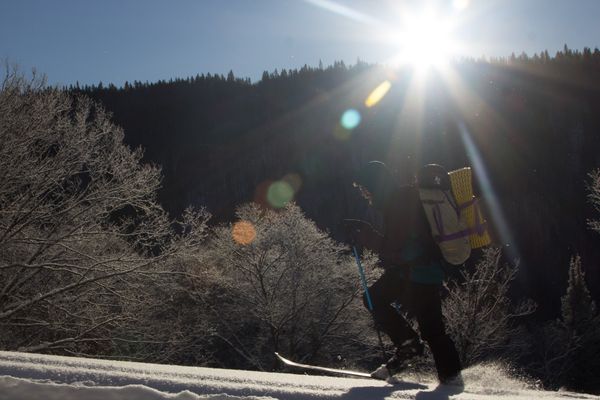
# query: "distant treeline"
534,120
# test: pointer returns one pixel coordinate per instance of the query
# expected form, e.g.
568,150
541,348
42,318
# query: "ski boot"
400,360
454,380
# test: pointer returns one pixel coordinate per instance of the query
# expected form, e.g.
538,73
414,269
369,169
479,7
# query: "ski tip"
281,358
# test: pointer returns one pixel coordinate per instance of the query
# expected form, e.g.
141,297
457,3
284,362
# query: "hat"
377,178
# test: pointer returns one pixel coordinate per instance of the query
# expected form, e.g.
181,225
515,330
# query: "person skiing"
413,271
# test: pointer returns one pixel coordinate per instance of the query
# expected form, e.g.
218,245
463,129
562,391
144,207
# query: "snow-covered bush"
479,314
81,230
286,286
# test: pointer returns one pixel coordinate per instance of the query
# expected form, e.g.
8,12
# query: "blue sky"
125,40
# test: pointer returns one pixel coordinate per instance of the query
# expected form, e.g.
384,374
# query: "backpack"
455,222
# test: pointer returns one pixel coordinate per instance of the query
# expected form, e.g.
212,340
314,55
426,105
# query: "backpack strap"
437,216
473,202
453,236
479,227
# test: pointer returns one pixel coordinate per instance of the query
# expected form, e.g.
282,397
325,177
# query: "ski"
335,371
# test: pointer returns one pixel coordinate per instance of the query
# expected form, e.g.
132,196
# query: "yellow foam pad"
462,188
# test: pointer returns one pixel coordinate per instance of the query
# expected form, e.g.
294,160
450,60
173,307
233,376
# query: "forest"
196,221
222,140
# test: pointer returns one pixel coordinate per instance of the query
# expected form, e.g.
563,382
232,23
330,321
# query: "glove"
354,230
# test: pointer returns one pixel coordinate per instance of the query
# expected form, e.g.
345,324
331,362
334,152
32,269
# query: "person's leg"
390,289
427,308
384,292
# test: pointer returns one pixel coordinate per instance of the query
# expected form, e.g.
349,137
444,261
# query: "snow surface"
33,376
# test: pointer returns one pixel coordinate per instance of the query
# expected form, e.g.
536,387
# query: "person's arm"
362,233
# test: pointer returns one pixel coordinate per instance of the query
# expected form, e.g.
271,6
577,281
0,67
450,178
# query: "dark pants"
422,302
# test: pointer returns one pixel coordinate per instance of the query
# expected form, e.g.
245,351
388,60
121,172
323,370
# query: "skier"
413,273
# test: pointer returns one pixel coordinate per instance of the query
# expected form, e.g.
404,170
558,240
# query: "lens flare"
460,4
424,41
294,180
378,93
279,194
243,232
350,119
341,133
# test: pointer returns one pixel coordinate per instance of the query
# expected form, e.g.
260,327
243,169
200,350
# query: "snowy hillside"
32,376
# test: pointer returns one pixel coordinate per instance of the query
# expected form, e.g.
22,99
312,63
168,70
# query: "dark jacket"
405,241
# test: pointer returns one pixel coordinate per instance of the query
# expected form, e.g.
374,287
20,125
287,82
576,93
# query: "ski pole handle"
363,278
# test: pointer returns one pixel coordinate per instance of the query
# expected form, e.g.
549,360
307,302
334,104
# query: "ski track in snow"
33,376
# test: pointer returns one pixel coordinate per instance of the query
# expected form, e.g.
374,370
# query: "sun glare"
424,41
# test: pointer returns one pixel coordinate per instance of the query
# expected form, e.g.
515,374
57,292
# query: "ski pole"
363,280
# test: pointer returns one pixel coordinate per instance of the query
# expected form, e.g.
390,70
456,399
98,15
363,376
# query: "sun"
424,41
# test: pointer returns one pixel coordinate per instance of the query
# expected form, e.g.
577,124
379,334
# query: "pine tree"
593,187
581,324
578,308
567,351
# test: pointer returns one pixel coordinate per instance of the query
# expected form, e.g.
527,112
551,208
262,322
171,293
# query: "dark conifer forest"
533,121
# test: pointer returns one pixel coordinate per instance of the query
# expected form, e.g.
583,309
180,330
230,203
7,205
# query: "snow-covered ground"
33,376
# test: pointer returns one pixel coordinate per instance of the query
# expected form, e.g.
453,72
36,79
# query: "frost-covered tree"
81,230
478,311
582,324
569,348
289,287
593,187
577,307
